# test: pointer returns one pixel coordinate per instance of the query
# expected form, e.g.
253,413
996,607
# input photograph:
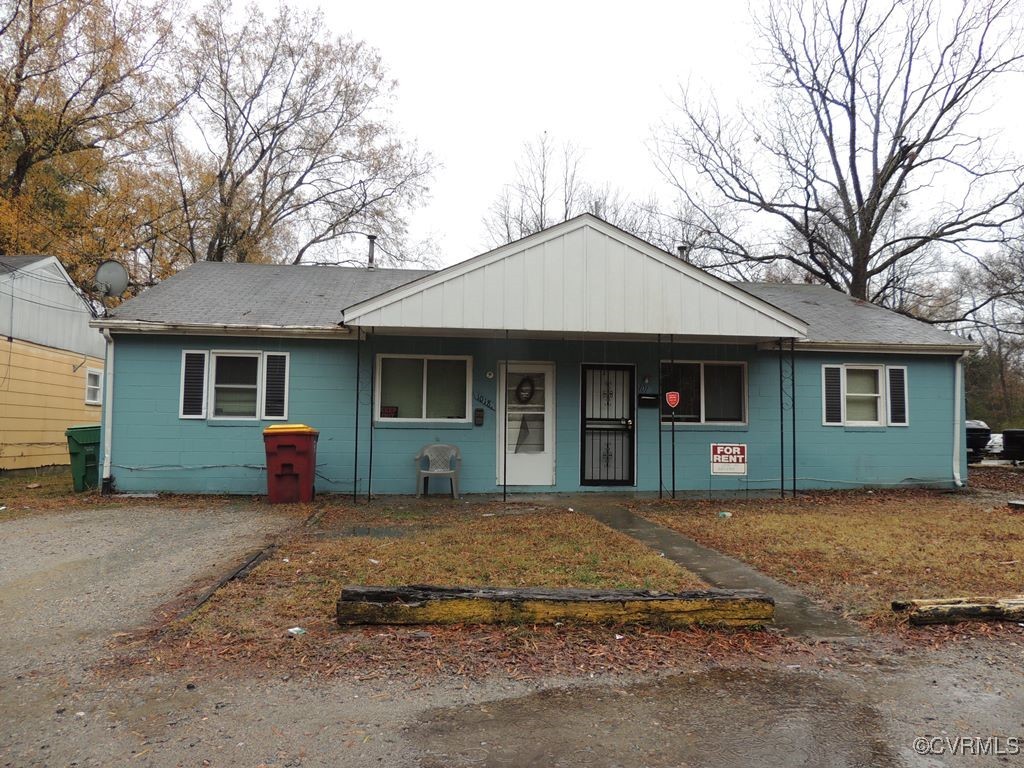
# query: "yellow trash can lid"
290,429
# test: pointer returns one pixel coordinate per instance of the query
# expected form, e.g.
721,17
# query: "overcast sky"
477,80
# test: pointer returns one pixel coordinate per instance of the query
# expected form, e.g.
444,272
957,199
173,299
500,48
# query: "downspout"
107,485
958,393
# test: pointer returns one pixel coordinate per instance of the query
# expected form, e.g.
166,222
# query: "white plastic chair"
442,460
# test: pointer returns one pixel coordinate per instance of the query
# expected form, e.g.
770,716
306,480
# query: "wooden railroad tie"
424,604
956,609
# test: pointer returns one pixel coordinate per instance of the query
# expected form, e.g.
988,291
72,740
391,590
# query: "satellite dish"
111,278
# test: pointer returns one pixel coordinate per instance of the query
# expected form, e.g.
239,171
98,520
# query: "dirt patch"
338,512
1004,479
48,492
474,652
856,552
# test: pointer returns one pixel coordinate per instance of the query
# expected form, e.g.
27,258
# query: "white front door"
526,430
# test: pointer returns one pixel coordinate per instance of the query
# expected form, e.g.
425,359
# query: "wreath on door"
525,390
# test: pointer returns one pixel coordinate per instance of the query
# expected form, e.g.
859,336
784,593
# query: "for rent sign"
728,458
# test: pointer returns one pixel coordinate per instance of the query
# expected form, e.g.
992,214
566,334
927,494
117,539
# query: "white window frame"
98,400
263,385
703,421
906,396
206,384
882,396
423,398
211,379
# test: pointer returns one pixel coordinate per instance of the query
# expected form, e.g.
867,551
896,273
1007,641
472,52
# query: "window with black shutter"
897,376
275,386
833,394
193,385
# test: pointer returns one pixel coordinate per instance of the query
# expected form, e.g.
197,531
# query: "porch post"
661,393
672,354
373,375
355,450
782,431
504,425
792,405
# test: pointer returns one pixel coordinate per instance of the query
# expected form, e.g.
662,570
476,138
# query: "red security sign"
672,398
728,458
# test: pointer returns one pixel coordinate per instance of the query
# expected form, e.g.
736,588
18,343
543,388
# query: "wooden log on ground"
957,609
423,604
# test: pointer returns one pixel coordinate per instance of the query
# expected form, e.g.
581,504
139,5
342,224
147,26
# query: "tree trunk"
859,271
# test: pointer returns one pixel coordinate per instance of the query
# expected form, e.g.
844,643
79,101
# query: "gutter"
958,392
107,484
909,349
217,329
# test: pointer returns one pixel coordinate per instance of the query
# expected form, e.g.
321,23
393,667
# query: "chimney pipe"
684,253
369,258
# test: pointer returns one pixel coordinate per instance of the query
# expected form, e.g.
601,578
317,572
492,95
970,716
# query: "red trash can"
291,462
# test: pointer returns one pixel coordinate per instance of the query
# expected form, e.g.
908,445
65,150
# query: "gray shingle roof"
834,317
215,293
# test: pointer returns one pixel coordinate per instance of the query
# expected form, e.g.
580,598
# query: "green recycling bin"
84,448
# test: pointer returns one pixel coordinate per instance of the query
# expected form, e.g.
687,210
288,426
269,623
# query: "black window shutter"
897,396
833,394
274,386
193,395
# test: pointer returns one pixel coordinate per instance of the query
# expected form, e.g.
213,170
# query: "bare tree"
869,154
297,152
550,187
547,189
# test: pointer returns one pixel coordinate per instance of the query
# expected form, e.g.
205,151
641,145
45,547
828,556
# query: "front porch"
573,415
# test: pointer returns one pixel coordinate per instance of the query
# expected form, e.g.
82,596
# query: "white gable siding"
38,305
586,278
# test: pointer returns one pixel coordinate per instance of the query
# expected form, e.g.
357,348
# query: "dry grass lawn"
49,489
301,582
451,545
855,552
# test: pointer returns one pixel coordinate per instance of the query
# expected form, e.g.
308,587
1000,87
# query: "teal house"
577,359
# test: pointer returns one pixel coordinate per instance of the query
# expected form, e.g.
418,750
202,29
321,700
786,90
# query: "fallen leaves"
1005,479
473,651
858,551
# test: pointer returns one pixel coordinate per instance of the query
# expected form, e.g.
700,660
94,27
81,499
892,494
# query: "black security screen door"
609,432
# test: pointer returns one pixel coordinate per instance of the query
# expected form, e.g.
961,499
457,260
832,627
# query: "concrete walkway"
794,612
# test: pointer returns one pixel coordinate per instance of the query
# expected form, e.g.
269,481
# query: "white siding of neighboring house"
39,306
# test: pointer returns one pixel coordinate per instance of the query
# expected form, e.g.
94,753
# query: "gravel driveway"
68,582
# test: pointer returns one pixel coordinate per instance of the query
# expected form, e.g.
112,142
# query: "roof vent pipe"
684,252
369,257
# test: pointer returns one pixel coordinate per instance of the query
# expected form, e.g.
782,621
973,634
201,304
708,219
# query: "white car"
995,444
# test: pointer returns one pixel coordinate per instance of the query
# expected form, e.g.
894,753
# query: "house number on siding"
481,400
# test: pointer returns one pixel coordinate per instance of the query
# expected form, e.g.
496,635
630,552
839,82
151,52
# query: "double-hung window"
423,388
709,392
93,386
864,395
234,385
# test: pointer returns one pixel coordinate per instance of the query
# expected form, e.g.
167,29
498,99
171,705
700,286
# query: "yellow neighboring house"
51,362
